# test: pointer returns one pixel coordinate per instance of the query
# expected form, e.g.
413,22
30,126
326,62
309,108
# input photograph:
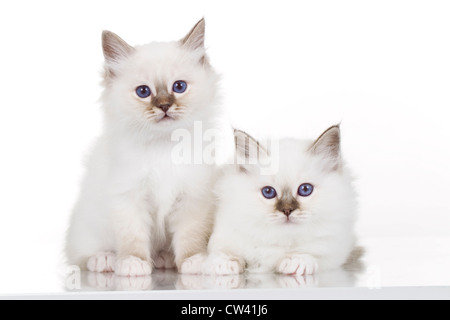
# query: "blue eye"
179,86
143,92
269,192
305,190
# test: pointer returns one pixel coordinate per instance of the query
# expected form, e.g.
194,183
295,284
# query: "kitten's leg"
102,262
193,264
89,242
300,264
223,264
132,266
132,227
191,226
224,258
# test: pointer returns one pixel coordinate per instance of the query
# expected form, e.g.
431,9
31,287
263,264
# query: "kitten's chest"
139,168
152,171
166,180
158,171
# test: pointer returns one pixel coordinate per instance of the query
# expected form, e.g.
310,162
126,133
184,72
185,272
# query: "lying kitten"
137,208
294,221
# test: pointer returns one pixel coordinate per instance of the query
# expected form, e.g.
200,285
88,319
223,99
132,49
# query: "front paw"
193,265
228,267
299,264
102,262
224,265
131,266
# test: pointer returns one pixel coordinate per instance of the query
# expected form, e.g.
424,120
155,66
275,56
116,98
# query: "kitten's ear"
328,146
114,49
195,39
249,151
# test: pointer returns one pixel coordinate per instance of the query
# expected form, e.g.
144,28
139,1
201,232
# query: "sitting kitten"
138,209
293,221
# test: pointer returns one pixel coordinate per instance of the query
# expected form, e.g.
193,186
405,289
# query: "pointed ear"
195,39
328,146
114,49
248,151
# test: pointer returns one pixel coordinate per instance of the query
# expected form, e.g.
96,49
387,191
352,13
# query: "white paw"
226,266
102,262
301,264
193,265
131,266
165,260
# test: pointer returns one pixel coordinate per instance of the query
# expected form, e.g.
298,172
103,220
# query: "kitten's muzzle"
287,203
163,102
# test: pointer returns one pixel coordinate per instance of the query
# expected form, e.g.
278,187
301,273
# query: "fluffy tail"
354,259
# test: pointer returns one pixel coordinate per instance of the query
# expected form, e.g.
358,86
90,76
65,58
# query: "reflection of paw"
224,265
165,260
102,262
110,281
132,266
296,281
193,265
301,264
234,281
101,281
134,283
190,282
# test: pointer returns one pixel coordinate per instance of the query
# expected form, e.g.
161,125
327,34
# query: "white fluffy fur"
249,233
136,208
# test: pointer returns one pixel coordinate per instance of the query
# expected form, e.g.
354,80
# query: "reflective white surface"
387,262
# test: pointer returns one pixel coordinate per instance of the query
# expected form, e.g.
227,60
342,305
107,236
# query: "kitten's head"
161,85
311,182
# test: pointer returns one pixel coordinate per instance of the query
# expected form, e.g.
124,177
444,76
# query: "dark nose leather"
164,107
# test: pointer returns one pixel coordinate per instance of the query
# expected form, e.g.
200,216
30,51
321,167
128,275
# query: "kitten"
138,209
292,221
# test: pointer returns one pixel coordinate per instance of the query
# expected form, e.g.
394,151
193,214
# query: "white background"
382,68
